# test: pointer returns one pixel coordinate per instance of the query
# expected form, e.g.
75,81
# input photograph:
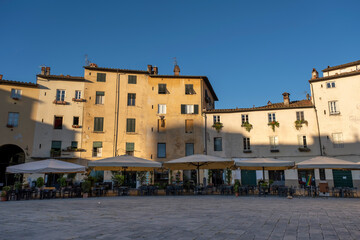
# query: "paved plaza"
181,217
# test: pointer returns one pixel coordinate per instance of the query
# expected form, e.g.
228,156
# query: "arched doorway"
9,155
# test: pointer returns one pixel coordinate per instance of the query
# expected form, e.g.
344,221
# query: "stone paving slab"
181,217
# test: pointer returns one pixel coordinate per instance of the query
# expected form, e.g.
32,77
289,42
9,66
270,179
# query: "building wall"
347,122
44,129
232,134
26,106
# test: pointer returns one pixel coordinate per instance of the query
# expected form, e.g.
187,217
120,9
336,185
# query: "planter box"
59,102
274,150
79,100
247,151
304,149
76,126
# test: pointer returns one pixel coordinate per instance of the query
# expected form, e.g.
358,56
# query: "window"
302,141
60,95
189,149
130,125
322,174
97,149
101,77
55,149
246,144
161,150
76,121
77,94
15,93
58,122
100,98
131,99
274,143
189,126
337,139
162,88
161,125
161,108
218,144
271,117
216,119
74,144
333,108
189,109
330,84
189,89
300,116
244,118
13,119
130,147
98,124
132,79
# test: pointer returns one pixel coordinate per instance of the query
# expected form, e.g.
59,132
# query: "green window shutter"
74,144
98,124
132,79
101,77
183,109
97,144
100,93
56,144
196,109
130,125
130,146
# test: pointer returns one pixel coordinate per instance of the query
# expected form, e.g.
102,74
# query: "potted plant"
237,187
86,188
274,124
247,126
40,182
228,176
5,192
218,126
299,123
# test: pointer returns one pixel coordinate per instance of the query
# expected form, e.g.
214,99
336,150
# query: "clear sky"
252,51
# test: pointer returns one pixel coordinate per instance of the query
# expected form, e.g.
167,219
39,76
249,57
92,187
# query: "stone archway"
9,155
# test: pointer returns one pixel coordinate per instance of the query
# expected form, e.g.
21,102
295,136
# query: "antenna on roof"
87,61
175,61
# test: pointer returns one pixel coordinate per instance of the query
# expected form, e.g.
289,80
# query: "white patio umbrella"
124,162
328,163
263,164
46,166
199,161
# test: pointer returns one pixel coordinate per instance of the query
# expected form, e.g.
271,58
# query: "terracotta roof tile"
116,70
341,66
347,74
17,83
273,106
61,77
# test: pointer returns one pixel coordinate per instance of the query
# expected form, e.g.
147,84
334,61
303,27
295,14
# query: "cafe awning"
199,161
46,166
263,164
123,162
328,163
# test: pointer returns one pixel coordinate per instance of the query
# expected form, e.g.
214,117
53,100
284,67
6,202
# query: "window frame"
271,117
16,93
246,144
189,89
333,105
101,77
338,141
131,99
58,126
78,94
98,125
244,118
219,145
189,128
60,94
186,149
216,118
78,121
300,116
99,98
97,151
13,119
164,151
187,108
274,144
130,125
132,79
162,89
330,84
161,109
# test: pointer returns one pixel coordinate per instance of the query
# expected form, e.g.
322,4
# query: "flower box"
299,123
247,126
274,150
218,126
247,151
79,100
274,124
304,149
16,98
76,126
60,102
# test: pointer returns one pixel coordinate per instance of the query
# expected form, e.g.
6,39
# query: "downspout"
116,127
317,119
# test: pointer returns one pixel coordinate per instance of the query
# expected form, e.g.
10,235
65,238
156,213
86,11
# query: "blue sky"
252,51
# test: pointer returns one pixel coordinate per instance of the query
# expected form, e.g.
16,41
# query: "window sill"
247,151
79,100
274,150
74,150
76,126
15,98
131,133
60,102
334,113
98,131
304,149
10,126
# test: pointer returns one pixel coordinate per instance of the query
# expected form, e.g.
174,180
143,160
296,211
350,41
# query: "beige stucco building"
18,106
58,127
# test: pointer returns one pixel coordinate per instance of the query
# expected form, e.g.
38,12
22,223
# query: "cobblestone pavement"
181,217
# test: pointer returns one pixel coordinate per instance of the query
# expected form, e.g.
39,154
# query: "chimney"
314,74
1,76
42,70
176,70
156,70
150,69
308,96
286,98
47,71
93,65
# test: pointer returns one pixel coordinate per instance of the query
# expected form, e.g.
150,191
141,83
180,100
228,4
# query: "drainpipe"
117,100
317,119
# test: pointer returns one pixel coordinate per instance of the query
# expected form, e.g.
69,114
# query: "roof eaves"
115,70
17,83
348,74
341,66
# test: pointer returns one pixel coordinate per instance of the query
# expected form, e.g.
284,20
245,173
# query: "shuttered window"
98,124
13,119
300,116
189,109
56,145
131,99
130,146
189,126
132,79
274,143
162,88
161,108
100,97
218,144
97,149
246,143
302,141
101,77
130,125
189,89
161,150
189,149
